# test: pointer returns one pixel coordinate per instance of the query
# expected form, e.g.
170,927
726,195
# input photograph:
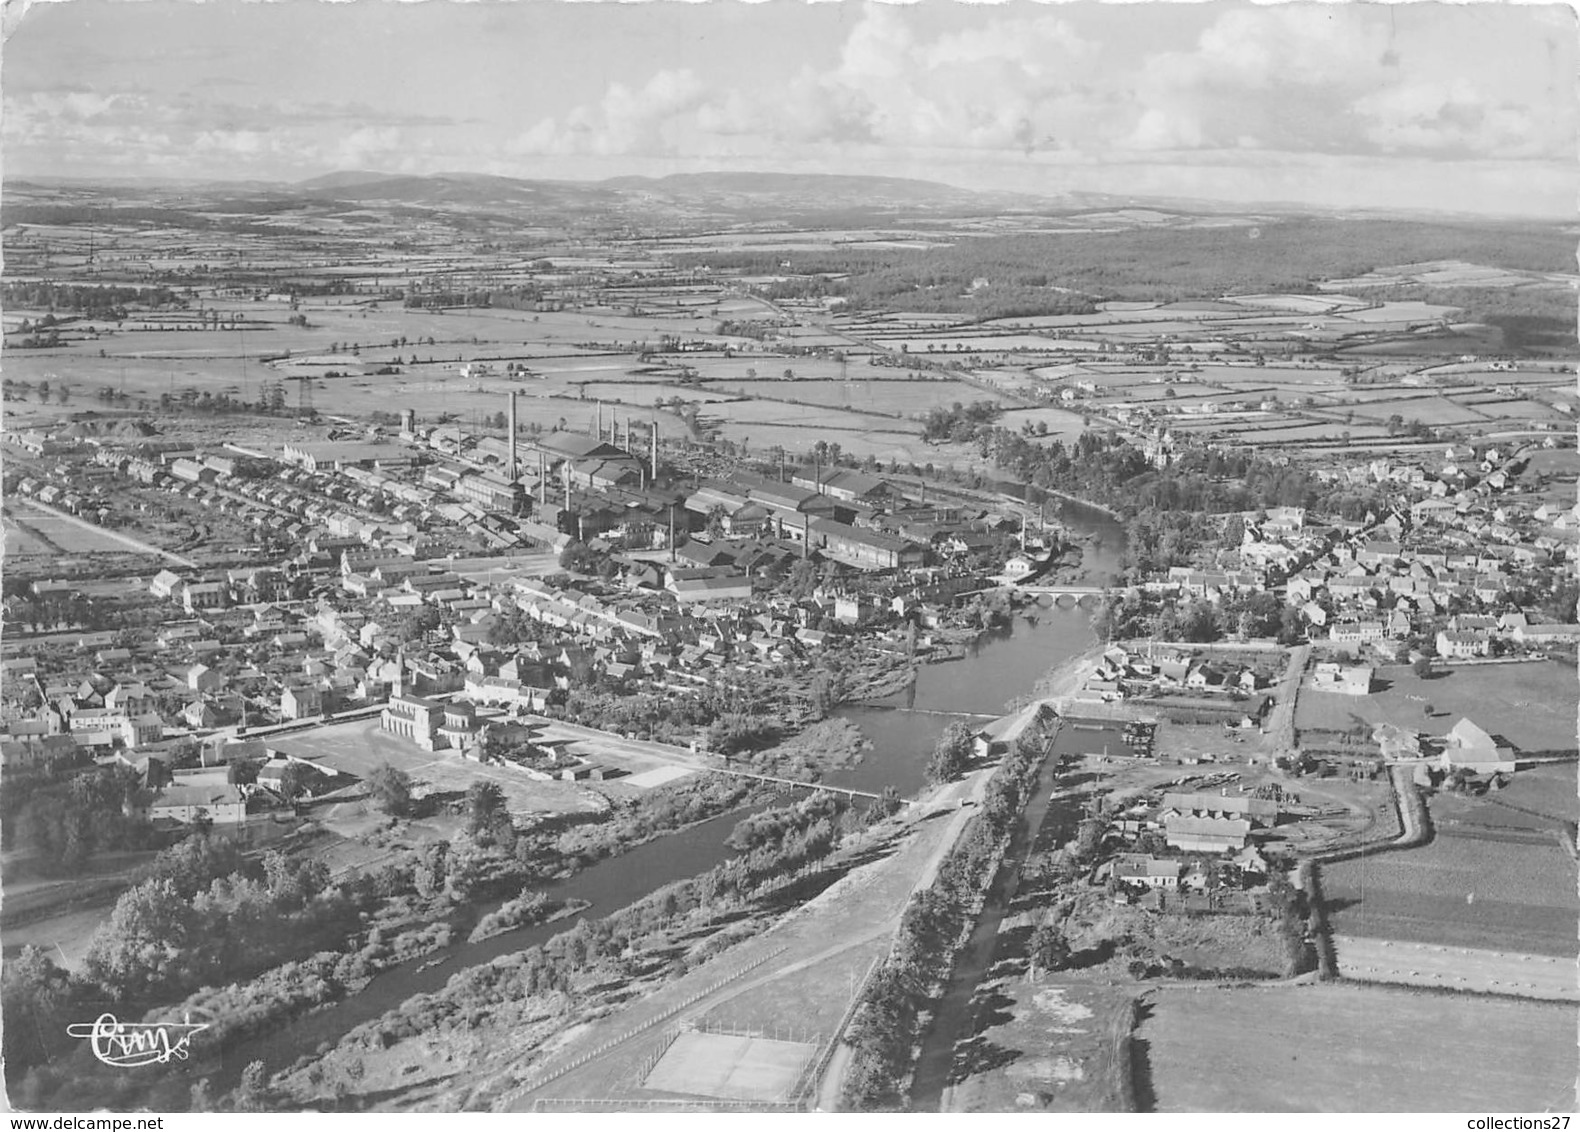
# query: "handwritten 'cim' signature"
136,1043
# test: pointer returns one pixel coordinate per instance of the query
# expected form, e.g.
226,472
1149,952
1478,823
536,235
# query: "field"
1513,891
1344,1048
1045,1047
893,397
1532,705
1457,968
730,1066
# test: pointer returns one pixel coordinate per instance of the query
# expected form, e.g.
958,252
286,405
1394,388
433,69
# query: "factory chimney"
600,421
511,473
543,480
628,434
655,452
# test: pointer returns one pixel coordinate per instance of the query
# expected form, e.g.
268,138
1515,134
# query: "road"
1280,730
114,536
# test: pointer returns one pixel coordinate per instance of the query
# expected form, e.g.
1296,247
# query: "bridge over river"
1066,594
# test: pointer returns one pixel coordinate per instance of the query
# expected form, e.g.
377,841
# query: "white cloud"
625,120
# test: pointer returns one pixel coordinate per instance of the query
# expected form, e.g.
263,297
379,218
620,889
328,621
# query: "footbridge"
846,791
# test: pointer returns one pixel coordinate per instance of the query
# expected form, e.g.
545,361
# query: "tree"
1422,667
251,1094
1050,948
576,557
485,808
952,754
1089,839
293,781
390,788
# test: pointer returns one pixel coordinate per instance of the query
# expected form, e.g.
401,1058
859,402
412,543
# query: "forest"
1065,274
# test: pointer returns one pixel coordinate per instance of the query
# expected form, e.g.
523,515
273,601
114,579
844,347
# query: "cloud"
1318,78
625,120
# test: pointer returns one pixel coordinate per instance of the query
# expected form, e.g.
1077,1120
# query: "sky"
1460,107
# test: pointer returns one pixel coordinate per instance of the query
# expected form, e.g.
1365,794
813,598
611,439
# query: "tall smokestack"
600,420
655,451
628,434
566,467
513,475
543,480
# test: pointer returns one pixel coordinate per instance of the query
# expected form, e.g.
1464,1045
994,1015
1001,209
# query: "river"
1000,666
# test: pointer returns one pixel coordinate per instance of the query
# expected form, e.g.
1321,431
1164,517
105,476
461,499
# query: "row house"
1456,644
1357,632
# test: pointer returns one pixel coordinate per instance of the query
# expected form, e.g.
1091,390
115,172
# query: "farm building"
1206,834
1468,746
1260,811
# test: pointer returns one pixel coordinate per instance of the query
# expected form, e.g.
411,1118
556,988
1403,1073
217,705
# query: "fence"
576,1063
813,1075
643,1104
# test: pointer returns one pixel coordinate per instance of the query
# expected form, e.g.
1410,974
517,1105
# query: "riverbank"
1060,684
493,1043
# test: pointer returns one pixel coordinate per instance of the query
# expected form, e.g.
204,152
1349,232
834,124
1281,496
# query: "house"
133,699
1346,680
165,584
141,730
205,595
1356,632
220,804
1547,634
301,702
1467,745
202,678
20,751
1458,643
1001,735
1139,868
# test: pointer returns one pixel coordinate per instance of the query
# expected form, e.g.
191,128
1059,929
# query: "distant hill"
740,194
